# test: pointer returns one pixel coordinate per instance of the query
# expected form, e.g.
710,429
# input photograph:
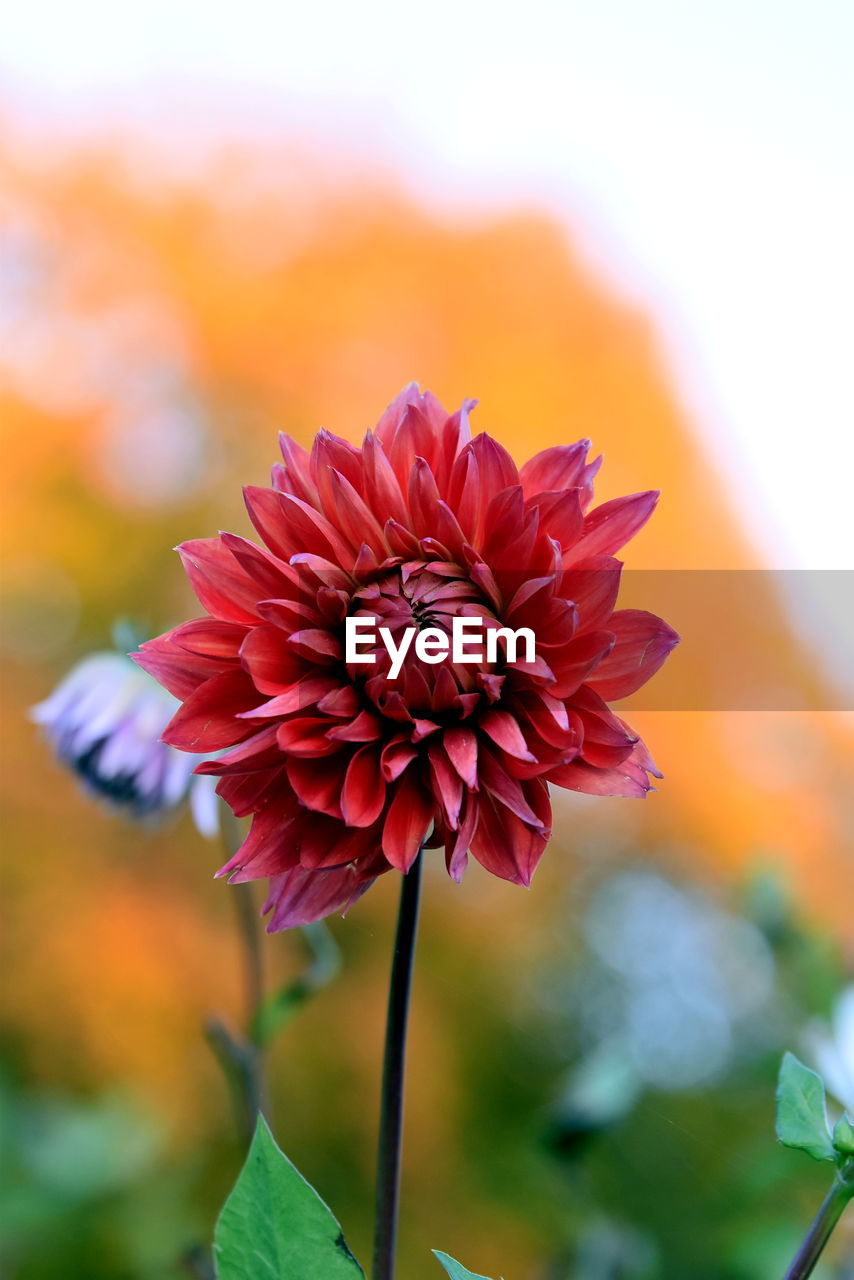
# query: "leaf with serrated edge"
274,1226
455,1269
801,1110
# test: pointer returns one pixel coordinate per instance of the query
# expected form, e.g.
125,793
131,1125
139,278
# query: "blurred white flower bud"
104,721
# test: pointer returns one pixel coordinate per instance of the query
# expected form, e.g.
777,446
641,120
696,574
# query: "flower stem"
394,1064
242,1056
832,1208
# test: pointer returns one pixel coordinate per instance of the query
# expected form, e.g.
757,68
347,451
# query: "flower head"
105,721
349,769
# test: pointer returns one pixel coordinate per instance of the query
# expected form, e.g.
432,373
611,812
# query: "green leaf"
843,1136
801,1110
274,1226
455,1269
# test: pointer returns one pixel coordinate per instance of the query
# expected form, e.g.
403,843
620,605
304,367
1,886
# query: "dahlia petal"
643,641
246,793
592,584
209,637
396,755
574,663
364,727
290,615
317,535
326,572
269,663
448,786
301,695
293,474
464,491
383,491
268,849
301,897
364,789
407,821
317,783
258,752
495,780
274,578
333,453
461,746
356,520
341,701
497,468
622,780
457,845
208,719
317,645
177,670
221,585
503,729
306,737
504,845
269,516
560,467
561,515
610,526
324,843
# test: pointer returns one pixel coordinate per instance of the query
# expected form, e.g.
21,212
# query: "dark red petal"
268,849
457,844
306,737
504,845
364,728
461,746
177,670
447,784
592,584
363,793
317,783
494,779
301,897
407,821
221,585
561,467
209,719
272,667
301,695
626,779
261,751
503,729
396,755
643,641
574,663
209,637
317,645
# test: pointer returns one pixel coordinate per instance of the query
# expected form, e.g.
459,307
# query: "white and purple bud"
832,1050
104,721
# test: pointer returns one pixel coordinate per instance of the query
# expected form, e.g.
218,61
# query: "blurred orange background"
158,330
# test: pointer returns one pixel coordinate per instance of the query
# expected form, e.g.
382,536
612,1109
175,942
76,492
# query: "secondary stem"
821,1230
243,1056
394,1063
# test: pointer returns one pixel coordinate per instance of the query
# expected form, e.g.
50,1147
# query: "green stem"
832,1208
394,1064
242,1057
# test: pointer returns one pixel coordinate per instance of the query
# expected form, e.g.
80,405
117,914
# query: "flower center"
411,599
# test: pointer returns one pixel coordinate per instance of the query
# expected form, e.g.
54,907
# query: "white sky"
705,149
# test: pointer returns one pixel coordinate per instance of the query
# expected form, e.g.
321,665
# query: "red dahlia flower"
348,771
